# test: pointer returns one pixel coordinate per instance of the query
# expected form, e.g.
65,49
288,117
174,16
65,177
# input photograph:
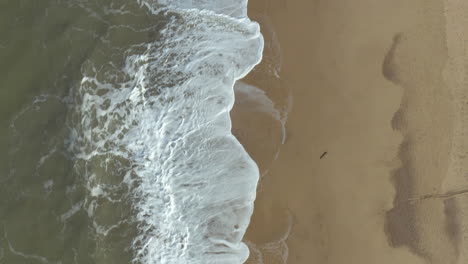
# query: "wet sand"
374,168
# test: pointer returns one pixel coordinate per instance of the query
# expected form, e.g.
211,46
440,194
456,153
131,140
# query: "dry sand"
380,86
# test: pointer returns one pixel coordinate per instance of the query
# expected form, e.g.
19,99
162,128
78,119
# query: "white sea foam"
165,110
233,8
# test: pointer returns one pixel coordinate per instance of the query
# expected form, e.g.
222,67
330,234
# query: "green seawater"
47,214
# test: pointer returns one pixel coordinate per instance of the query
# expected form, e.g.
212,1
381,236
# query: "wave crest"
161,109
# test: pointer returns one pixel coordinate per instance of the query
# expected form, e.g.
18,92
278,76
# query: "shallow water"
115,131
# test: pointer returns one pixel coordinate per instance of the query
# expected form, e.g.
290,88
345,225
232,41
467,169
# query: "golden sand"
374,168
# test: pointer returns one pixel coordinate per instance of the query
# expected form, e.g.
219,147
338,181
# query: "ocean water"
115,132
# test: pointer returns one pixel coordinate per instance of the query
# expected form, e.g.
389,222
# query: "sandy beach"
374,165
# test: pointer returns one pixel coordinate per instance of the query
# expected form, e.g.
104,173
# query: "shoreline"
384,99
